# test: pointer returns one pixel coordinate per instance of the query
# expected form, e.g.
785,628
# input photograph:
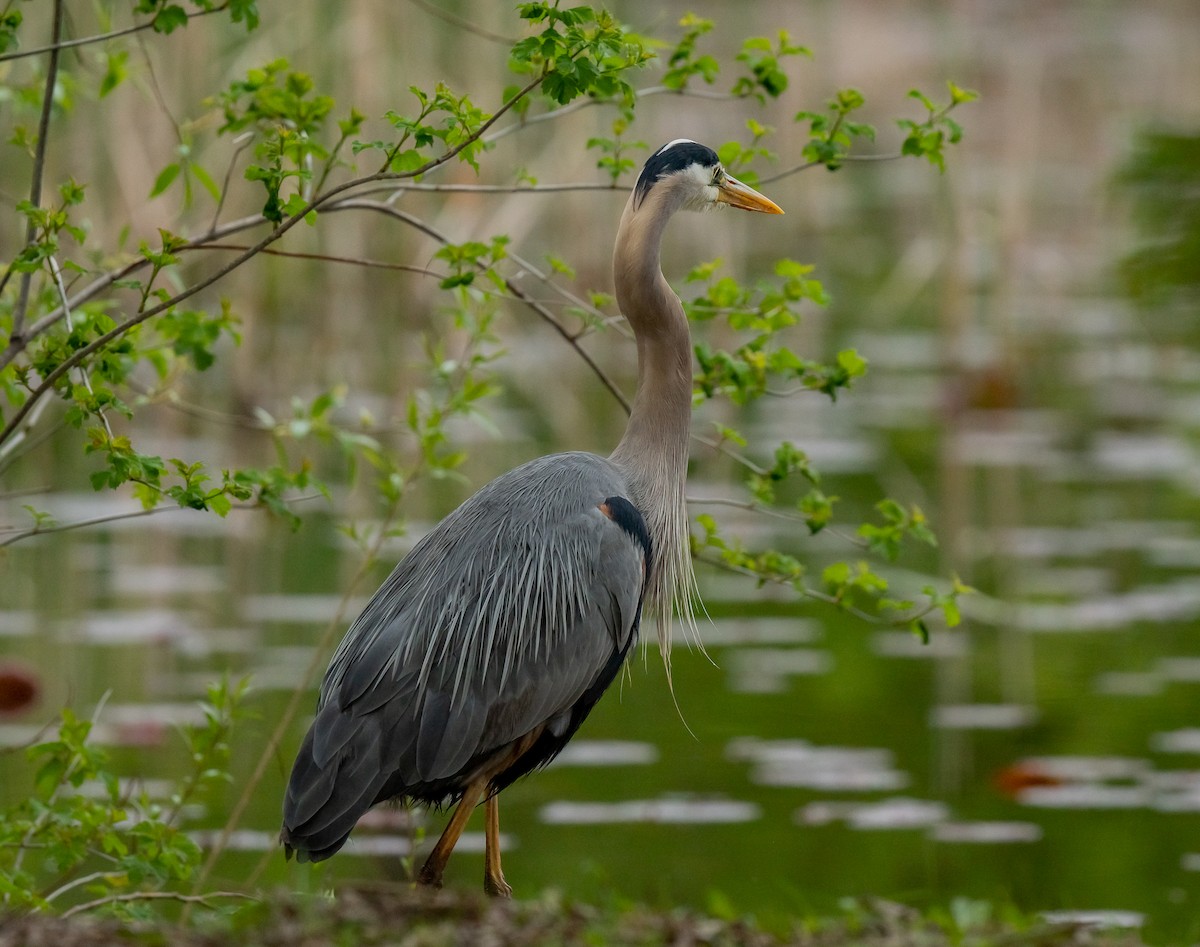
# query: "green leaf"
115,71
169,19
244,11
165,178
10,20
206,181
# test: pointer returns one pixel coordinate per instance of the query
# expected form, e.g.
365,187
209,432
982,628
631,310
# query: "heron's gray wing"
500,620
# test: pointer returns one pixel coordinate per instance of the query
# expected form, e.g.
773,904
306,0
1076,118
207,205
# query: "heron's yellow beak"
733,192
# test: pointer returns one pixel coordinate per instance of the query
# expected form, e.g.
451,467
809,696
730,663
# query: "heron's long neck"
654,449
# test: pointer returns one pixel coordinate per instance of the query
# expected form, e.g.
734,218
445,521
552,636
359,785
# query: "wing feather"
500,620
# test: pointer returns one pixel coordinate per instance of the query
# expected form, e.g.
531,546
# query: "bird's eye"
718,177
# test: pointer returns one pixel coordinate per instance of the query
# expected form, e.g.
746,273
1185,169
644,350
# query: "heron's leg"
493,878
435,864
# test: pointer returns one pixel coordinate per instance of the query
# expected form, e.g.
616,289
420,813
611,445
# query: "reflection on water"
768,670
899,812
582,752
904,644
796,763
1097,919
152,626
1086,796
986,833
1186,740
982,717
671,810
299,609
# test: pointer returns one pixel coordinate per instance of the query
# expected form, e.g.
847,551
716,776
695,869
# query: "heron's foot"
430,875
494,885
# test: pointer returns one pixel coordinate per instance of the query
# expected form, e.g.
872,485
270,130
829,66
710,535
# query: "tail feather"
324,802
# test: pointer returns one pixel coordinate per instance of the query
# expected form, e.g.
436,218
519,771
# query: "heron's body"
476,641
479,657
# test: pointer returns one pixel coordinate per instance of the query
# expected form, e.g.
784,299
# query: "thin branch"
241,143
298,696
796,169
808,592
21,748
579,104
724,448
81,354
103,283
510,285
156,89
8,449
327,258
494,188
127,515
65,527
168,398
573,299
754,507
462,24
56,271
749,505
571,341
81,880
58,45
152,895
39,165
10,495
63,779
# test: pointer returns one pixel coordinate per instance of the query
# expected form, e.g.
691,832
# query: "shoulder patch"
630,519
672,157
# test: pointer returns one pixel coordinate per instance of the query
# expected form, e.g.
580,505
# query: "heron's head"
686,175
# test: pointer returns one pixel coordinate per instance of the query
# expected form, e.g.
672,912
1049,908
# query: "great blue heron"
487,646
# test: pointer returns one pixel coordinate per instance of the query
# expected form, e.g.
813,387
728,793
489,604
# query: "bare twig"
64,527
241,143
75,883
748,505
326,258
796,169
188,899
560,188
103,283
572,298
299,694
724,448
63,780
127,515
8,448
516,291
807,592
579,104
56,271
39,165
448,17
58,45
319,202
156,89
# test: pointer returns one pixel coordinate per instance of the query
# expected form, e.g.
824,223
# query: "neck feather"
653,452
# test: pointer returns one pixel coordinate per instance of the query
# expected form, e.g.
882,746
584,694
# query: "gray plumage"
483,651
480,634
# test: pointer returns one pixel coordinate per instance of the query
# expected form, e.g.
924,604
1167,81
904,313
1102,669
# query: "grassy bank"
406,918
